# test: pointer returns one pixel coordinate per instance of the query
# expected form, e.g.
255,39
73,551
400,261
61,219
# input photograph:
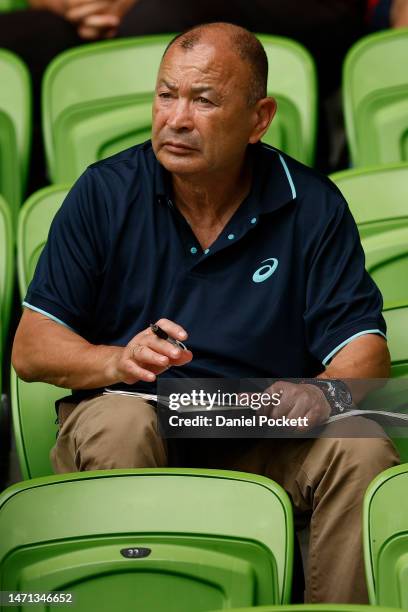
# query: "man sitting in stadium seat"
178,231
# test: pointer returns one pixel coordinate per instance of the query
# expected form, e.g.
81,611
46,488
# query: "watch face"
345,397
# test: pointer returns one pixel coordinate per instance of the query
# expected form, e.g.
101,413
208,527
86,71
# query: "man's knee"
117,432
361,457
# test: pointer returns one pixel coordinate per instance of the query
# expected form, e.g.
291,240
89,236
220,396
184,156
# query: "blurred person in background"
383,14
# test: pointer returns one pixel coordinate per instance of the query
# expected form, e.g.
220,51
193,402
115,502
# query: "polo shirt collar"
272,184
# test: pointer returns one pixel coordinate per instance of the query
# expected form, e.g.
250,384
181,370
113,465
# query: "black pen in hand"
160,333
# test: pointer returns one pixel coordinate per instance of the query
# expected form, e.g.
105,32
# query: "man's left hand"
300,400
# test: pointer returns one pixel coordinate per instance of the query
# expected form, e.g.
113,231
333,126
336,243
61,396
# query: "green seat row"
84,121
162,540
378,200
97,100
15,129
385,524
375,98
6,270
89,123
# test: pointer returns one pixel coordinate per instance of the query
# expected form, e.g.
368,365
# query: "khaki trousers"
325,477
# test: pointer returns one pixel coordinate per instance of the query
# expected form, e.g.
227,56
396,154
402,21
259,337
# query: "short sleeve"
66,279
342,300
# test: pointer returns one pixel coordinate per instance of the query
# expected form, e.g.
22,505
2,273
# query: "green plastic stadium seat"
378,199
33,226
292,81
1,378
397,336
385,520
314,608
33,403
387,262
97,100
6,270
375,98
377,196
35,430
162,540
15,128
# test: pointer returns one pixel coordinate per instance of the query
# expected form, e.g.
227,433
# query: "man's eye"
203,100
164,95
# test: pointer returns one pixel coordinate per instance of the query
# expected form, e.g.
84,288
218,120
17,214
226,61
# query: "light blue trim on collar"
285,167
292,186
340,346
47,314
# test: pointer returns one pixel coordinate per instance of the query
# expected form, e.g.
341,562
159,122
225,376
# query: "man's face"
201,119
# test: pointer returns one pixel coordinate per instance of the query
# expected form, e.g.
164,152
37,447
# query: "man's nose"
180,115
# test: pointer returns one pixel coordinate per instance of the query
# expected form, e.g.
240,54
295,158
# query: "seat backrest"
378,200
292,81
387,263
97,100
172,540
15,128
33,403
34,424
397,337
33,226
385,536
6,269
377,196
375,98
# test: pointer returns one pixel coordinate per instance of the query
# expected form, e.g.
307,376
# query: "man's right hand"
49,352
146,355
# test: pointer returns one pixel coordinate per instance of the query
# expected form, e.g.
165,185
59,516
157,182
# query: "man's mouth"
177,147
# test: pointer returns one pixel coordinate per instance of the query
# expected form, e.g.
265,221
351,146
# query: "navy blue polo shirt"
277,294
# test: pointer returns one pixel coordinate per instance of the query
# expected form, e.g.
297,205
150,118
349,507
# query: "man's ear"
265,110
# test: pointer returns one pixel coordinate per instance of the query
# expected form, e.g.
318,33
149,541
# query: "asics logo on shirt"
264,272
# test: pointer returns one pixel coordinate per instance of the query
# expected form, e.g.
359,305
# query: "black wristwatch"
336,392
